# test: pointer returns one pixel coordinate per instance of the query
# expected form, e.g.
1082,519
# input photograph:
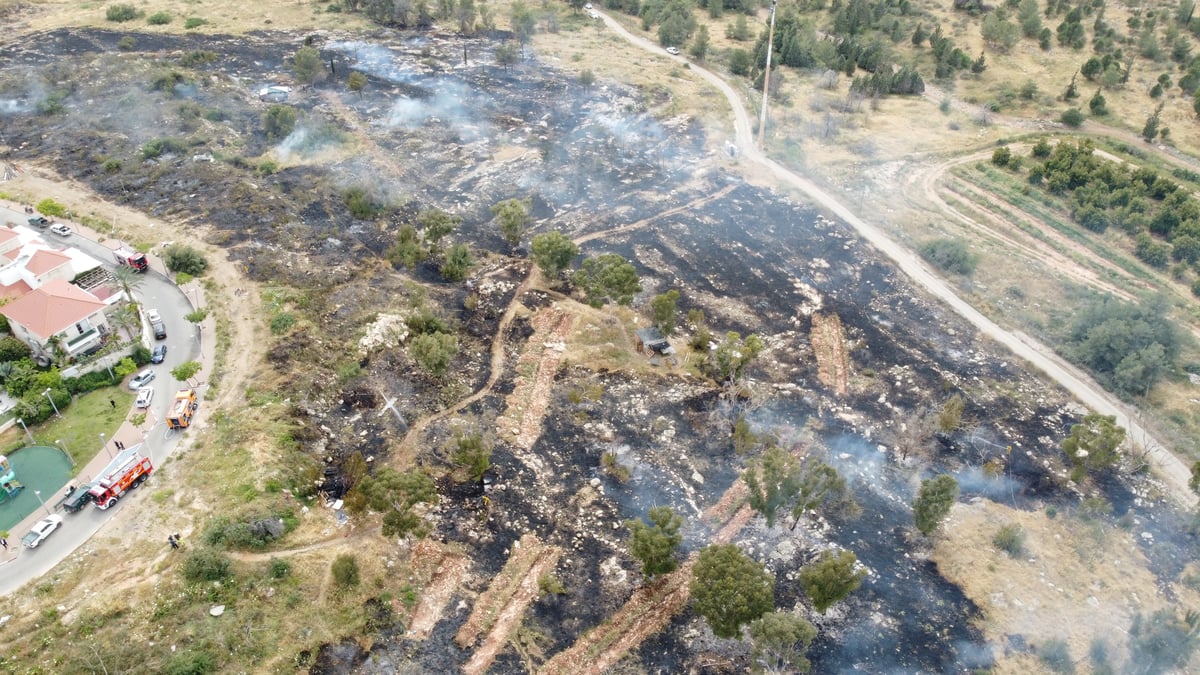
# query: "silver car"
141,379
40,530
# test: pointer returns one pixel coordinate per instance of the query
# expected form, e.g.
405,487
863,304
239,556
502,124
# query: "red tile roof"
50,309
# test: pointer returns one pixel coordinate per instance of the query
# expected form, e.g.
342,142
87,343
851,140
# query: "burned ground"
431,131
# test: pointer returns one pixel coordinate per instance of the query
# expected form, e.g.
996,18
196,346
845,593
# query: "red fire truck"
124,473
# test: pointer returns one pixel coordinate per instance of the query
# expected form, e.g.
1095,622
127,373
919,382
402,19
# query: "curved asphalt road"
1173,470
157,292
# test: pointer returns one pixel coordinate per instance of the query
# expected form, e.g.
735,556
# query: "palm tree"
127,279
123,319
6,370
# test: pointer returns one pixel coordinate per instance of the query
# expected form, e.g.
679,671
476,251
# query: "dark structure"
652,338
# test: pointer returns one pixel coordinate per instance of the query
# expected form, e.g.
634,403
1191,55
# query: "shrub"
345,570
88,382
949,255
49,207
193,22
162,146
1072,118
191,663
1057,656
183,258
112,165
159,19
549,584
126,43
1010,539
141,355
360,204
205,564
278,568
121,13
282,322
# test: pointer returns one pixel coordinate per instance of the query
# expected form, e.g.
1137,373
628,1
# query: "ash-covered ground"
433,129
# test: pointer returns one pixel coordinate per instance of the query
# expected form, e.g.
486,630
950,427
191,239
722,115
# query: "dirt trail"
1170,467
499,610
448,572
526,406
829,346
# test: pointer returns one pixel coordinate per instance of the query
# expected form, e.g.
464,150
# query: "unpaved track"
1171,468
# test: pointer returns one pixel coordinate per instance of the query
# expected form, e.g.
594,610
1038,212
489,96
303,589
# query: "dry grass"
1076,581
231,18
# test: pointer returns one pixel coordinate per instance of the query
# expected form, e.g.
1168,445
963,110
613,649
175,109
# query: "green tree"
464,13
279,121
553,253
740,30
933,502
456,263
729,589
436,224
185,371
184,258
472,454
817,484
1150,130
13,349
663,308
779,641
740,62
700,44
125,367
1072,118
512,215
507,55
345,570
1094,443
433,352
408,251
1164,642
607,278
1029,15
1194,482
523,21
307,65
831,578
654,543
773,482
950,417
356,82
1098,105
729,360
395,494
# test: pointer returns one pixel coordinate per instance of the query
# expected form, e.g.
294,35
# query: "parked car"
159,354
160,330
145,395
152,316
41,529
673,51
39,221
77,498
141,379
61,230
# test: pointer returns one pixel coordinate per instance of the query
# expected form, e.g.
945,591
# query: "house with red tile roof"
57,320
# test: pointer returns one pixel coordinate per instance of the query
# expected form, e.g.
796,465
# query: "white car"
673,51
145,395
141,379
152,316
594,14
40,530
61,230
588,6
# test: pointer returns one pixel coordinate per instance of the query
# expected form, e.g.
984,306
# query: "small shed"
652,339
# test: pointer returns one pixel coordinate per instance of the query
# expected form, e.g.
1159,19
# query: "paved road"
1170,467
157,292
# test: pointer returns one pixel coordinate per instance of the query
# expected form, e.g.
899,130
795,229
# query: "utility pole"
762,120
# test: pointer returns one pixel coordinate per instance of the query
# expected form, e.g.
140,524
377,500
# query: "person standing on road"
172,541
4,543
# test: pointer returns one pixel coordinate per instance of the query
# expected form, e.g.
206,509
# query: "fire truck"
131,258
182,409
124,473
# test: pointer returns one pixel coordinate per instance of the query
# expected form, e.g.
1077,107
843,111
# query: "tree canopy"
663,307
779,642
729,360
1094,442
833,577
553,253
729,589
655,543
395,493
607,278
512,215
1127,345
933,502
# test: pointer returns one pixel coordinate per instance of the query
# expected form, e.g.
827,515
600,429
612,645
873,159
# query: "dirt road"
1171,468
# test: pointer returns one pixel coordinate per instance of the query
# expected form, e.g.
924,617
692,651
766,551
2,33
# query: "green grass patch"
81,424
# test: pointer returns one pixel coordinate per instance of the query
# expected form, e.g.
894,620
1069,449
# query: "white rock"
217,610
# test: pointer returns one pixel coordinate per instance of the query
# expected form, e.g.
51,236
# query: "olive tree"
512,215
831,578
